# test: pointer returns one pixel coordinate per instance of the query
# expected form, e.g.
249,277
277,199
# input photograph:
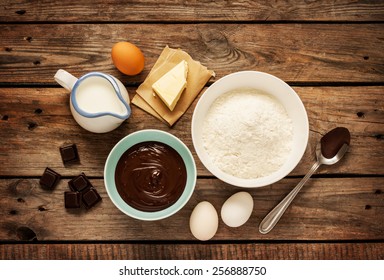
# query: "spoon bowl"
329,161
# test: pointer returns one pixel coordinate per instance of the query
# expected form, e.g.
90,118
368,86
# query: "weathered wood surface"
208,251
326,209
219,10
35,122
331,51
32,53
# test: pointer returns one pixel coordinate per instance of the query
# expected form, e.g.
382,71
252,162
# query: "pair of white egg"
235,212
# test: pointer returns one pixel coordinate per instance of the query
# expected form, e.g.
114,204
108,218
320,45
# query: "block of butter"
170,86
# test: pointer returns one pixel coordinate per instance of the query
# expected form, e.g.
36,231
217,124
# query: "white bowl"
272,86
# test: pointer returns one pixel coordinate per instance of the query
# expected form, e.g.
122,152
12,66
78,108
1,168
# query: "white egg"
204,221
237,209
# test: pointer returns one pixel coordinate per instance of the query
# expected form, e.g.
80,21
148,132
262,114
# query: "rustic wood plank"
248,251
35,122
304,42
326,209
32,53
120,11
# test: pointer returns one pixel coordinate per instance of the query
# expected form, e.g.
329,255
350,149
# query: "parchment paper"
146,98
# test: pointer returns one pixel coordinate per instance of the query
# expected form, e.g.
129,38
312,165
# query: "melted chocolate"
150,176
332,142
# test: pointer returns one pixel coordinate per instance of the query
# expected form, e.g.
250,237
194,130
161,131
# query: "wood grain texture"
207,251
331,50
35,122
32,53
326,209
220,10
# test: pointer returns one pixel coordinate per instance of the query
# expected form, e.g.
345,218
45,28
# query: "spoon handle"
269,222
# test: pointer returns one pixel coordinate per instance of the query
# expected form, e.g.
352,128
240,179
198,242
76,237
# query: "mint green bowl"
138,137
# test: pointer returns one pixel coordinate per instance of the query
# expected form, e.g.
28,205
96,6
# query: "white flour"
247,133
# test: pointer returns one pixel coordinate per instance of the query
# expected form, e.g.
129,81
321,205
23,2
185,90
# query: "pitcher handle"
65,79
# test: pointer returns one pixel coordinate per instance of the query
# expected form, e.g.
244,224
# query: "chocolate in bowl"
150,176
170,206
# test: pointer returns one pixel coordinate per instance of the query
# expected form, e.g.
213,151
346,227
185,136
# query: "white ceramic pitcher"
99,102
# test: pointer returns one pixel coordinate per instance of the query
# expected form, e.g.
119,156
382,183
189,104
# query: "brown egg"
128,58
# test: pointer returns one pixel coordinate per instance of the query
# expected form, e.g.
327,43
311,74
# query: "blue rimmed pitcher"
99,102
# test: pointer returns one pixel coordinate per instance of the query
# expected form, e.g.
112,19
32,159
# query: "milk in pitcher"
96,94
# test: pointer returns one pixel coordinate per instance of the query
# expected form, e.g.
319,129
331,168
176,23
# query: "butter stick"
171,85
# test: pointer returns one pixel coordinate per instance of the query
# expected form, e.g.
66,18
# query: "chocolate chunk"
69,153
49,179
91,197
79,183
72,199
82,187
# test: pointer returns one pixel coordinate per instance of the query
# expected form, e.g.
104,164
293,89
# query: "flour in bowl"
247,133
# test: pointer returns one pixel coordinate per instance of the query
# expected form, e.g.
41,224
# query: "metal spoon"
331,148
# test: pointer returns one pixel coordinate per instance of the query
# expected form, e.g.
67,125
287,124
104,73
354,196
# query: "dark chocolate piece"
49,179
69,153
91,197
72,199
81,186
79,183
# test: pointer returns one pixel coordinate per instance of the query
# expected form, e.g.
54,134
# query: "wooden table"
330,52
